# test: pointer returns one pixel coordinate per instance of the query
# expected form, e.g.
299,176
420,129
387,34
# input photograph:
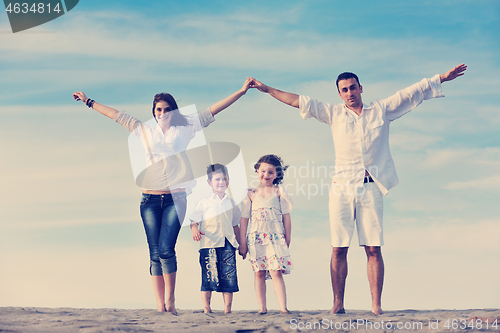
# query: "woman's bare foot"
207,310
161,308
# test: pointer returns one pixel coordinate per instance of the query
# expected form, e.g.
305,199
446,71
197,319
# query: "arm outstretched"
103,109
221,105
282,96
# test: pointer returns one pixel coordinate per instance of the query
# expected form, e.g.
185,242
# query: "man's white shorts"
363,207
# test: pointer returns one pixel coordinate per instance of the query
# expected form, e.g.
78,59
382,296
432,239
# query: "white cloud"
486,184
445,157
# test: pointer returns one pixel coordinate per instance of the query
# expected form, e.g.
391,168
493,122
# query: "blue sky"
70,233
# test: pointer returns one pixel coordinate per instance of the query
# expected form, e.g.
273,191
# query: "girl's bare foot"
171,309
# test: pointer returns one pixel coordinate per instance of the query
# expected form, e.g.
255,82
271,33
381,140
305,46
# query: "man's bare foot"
337,310
377,311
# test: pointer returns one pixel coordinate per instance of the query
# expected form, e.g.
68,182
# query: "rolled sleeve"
127,121
407,99
206,117
312,108
436,88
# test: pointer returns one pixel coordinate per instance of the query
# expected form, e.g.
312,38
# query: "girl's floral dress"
267,249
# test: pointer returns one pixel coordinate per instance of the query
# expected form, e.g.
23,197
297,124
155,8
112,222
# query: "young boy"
214,223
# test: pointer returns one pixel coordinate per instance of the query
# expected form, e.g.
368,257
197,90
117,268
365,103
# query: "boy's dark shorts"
218,269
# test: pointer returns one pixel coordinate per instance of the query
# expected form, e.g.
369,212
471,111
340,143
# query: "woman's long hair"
177,119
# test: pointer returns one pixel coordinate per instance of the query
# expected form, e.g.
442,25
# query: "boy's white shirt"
216,218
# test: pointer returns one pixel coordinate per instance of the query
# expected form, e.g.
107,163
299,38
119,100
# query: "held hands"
246,86
257,84
80,96
453,73
243,249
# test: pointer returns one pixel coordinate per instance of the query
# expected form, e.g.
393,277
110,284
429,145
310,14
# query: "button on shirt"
362,142
216,218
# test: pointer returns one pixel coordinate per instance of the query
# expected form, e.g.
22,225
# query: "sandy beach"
17,319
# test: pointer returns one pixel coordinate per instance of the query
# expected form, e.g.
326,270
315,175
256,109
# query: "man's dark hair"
345,76
216,168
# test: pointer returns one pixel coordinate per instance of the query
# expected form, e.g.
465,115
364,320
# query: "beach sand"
17,319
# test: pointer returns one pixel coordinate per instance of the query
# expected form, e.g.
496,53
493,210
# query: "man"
364,167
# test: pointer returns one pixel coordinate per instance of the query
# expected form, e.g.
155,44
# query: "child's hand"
196,232
243,249
197,235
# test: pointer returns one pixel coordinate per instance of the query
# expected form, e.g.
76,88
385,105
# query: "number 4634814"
35,8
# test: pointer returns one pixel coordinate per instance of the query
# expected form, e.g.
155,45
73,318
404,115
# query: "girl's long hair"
278,164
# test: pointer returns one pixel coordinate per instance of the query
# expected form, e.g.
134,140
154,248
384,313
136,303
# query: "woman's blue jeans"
162,216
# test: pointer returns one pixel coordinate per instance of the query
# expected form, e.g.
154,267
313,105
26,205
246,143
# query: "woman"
163,203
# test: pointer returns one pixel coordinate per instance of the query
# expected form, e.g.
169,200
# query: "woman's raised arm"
221,105
103,109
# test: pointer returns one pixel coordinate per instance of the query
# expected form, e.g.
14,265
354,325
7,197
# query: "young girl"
269,230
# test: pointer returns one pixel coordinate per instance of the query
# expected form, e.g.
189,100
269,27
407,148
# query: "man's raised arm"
285,97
